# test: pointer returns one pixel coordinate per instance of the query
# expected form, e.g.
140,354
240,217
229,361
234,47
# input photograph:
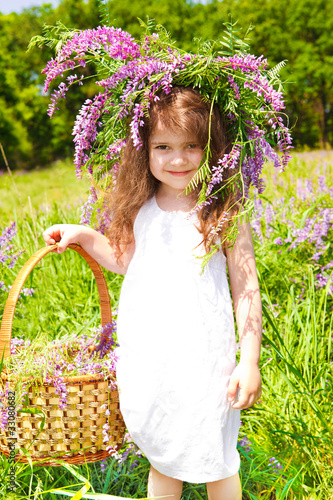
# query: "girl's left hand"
246,379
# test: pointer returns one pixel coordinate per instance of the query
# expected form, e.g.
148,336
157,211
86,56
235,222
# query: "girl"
181,138
180,391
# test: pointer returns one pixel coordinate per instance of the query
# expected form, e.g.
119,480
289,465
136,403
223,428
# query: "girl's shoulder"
146,209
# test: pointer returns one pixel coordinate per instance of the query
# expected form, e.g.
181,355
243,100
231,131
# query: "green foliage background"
295,30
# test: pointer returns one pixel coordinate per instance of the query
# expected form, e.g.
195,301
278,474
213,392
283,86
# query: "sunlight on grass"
24,192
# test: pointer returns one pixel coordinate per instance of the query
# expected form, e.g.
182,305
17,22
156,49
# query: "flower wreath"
131,73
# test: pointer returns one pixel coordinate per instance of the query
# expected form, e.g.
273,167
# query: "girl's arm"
94,243
247,304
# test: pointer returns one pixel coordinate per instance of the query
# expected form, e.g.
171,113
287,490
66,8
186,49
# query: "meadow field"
285,441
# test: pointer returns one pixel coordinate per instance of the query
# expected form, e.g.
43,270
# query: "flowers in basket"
55,364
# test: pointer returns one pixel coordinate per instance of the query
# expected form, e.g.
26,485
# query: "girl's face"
174,158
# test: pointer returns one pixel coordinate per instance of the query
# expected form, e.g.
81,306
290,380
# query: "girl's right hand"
93,242
63,234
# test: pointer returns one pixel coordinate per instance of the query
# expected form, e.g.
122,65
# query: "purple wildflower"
234,85
85,129
275,464
8,253
229,161
104,465
245,443
117,43
301,191
322,184
87,208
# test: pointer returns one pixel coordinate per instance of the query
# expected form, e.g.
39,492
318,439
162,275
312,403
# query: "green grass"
292,422
22,193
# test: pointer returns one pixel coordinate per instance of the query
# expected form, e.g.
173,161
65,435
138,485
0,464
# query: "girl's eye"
162,146
194,146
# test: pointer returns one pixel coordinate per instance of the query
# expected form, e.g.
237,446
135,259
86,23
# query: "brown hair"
184,109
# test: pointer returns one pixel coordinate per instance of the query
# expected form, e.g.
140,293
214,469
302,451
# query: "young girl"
181,138
180,392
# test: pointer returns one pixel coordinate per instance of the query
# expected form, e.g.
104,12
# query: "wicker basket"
73,435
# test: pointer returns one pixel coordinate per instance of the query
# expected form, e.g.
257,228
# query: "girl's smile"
174,158
179,174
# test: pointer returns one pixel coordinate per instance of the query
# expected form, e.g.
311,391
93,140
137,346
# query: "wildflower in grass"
322,184
17,343
103,465
275,464
274,308
269,215
129,452
245,443
87,209
301,191
309,235
8,254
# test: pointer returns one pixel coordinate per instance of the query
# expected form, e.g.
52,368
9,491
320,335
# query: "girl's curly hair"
183,109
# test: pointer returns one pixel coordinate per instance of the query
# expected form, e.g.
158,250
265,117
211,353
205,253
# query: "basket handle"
8,314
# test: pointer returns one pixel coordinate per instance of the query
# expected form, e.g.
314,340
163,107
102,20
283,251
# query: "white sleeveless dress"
177,351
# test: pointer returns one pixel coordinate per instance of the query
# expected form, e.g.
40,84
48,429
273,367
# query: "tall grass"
296,410
22,192
286,447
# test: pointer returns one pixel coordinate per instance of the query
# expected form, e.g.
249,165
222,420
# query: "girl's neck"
172,202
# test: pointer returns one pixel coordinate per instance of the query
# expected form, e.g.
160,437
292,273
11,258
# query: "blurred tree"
22,107
174,15
28,135
296,30
299,31
78,14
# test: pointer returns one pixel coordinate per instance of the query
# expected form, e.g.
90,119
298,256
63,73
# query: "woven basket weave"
73,435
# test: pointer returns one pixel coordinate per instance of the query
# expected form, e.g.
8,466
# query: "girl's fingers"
51,235
57,234
232,389
63,244
242,403
246,400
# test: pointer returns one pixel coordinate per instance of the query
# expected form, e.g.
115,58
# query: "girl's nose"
179,158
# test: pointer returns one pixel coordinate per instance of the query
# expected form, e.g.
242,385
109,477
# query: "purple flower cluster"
116,43
8,255
310,234
245,443
17,343
229,161
25,292
85,130
275,464
252,68
87,208
129,452
114,150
